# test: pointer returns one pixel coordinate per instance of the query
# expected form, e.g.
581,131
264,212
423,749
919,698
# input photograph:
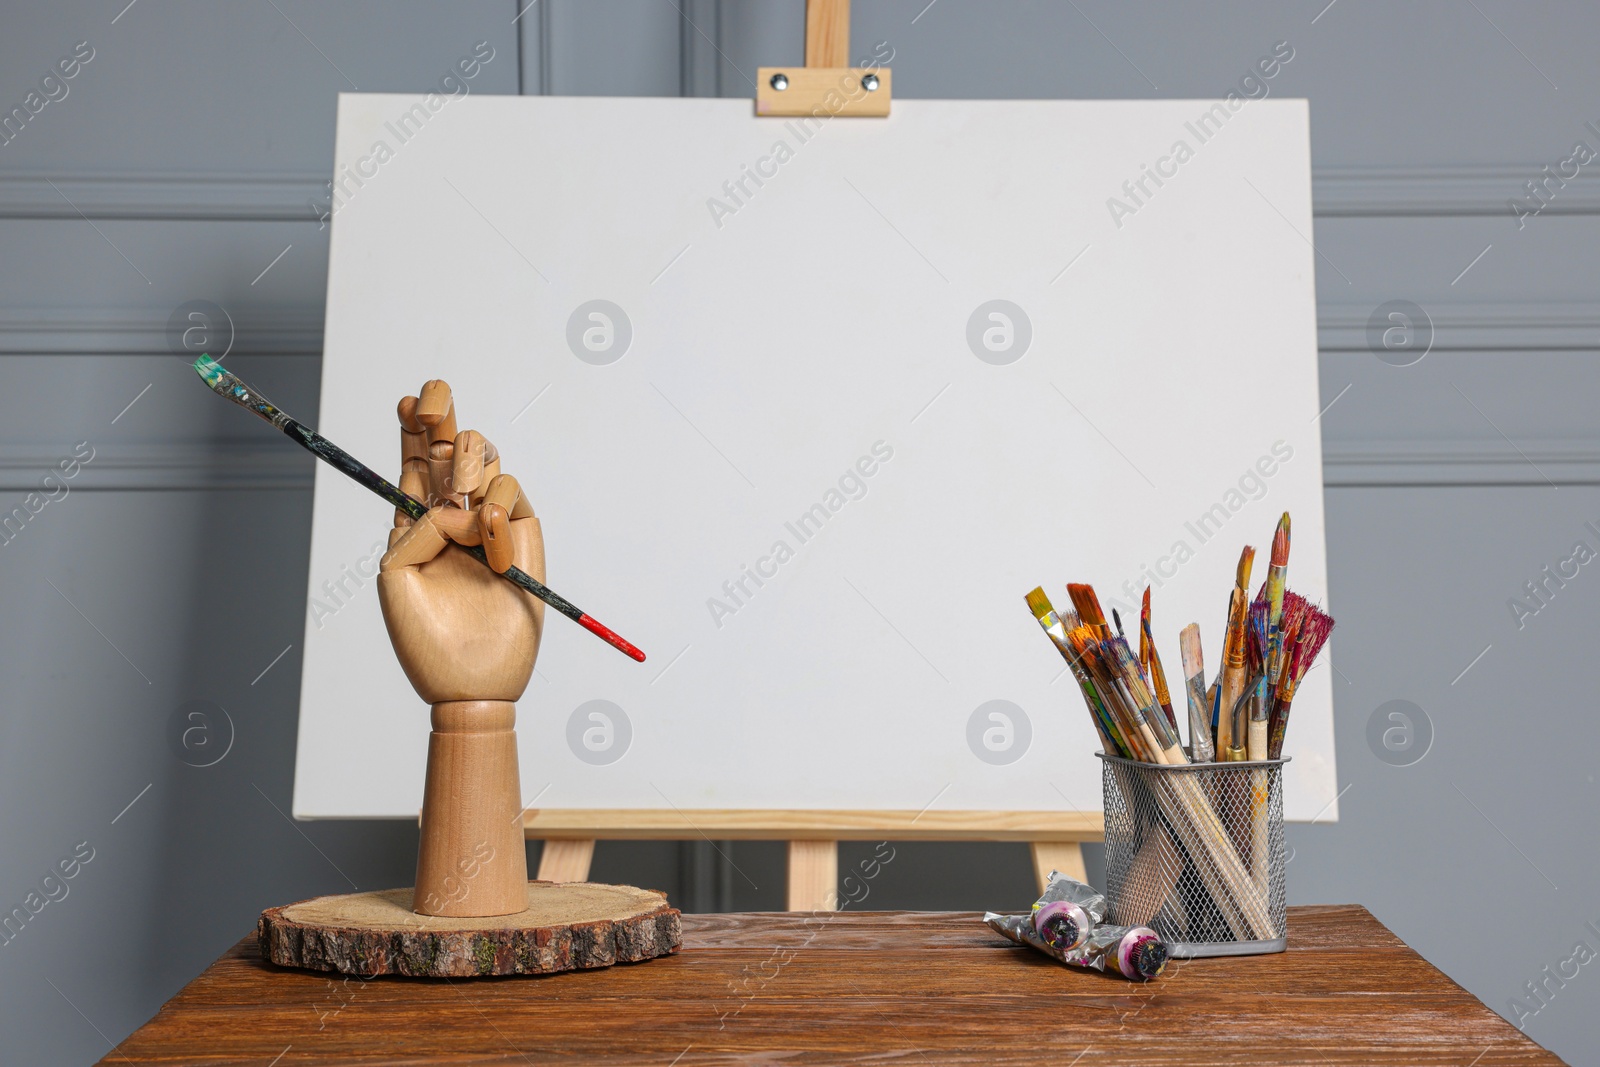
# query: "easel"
825,86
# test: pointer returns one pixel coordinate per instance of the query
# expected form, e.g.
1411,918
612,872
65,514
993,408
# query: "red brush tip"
605,634
1280,543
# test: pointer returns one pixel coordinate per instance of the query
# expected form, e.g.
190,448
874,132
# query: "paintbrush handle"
1232,686
1279,723
1199,720
359,472
334,456
1258,739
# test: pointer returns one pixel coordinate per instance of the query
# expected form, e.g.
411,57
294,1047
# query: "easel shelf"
813,835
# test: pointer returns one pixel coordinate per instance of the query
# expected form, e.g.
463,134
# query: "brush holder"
1196,852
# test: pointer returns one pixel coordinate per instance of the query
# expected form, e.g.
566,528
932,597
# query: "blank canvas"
805,407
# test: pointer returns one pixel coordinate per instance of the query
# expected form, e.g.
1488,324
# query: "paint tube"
1067,911
1135,952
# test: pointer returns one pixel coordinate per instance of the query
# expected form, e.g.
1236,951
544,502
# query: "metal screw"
780,82
870,83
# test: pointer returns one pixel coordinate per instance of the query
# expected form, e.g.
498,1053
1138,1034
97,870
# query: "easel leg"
813,875
566,861
1063,856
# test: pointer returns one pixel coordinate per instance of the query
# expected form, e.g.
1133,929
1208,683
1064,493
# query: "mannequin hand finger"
474,457
436,410
441,475
498,548
503,489
413,484
528,536
413,437
458,525
417,544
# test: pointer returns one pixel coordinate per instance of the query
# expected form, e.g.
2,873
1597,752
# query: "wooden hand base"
564,927
472,859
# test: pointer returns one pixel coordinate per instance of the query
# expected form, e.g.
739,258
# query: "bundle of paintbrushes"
1268,645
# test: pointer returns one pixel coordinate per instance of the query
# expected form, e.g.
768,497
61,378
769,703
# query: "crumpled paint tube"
1135,952
1067,911
1068,923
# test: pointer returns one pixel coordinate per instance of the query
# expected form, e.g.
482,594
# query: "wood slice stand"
565,927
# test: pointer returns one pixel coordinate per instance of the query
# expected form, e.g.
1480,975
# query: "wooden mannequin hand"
459,631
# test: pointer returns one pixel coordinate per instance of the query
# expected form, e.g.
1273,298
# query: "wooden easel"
569,836
825,86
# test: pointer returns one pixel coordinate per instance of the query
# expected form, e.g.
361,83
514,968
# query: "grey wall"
179,166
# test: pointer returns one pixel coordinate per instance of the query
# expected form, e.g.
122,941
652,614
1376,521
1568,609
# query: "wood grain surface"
896,987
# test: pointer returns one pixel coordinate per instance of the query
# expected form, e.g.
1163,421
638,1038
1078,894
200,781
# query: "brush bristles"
1255,640
1145,637
1088,605
1280,543
1247,559
1294,615
210,372
1314,633
1039,604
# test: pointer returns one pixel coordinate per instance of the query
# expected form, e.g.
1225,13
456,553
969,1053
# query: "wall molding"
1337,191
233,197
266,464
1377,192
1479,326
158,467
1460,462
288,330
297,330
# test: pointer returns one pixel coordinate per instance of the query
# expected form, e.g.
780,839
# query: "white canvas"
783,331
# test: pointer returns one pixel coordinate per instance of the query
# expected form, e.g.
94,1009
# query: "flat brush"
1194,674
226,384
1088,608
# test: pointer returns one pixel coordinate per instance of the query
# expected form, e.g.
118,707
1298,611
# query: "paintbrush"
1250,721
1135,734
1056,629
226,384
1233,668
1272,591
1313,634
1150,662
1087,606
1194,673
1181,799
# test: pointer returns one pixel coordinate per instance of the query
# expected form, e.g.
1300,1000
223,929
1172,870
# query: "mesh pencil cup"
1196,852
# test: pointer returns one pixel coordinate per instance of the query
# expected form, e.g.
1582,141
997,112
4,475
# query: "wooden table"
905,987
